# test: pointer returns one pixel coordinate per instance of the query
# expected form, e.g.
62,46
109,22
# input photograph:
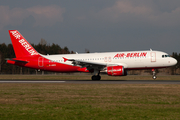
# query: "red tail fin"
21,47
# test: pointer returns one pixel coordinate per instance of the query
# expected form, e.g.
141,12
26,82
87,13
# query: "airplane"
112,63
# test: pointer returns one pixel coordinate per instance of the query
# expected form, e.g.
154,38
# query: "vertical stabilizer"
21,46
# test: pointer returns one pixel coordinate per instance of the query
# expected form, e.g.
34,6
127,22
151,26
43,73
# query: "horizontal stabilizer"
21,61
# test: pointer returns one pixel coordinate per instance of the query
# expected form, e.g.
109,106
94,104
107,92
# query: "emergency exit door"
41,62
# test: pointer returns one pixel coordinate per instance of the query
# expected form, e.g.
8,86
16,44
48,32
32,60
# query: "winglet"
65,59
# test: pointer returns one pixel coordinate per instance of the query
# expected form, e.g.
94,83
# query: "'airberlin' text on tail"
24,43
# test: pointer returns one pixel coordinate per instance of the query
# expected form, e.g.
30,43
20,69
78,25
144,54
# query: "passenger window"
162,56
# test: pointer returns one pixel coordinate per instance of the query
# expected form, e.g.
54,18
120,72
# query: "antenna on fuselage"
150,49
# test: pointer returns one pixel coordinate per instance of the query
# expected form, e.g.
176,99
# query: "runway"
95,82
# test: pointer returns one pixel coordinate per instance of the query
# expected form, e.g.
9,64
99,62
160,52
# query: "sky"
96,25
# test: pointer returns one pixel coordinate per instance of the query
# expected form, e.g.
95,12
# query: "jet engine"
116,71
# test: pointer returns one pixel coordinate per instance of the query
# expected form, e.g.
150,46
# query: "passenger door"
153,56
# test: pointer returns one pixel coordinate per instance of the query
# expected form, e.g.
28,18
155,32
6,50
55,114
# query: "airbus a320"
113,63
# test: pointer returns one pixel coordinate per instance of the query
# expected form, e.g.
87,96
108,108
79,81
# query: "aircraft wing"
92,65
87,64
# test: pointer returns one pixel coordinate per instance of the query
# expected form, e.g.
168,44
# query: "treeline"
7,51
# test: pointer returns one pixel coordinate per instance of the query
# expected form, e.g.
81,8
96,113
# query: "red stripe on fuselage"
144,68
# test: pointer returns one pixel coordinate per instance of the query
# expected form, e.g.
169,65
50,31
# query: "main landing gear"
154,74
96,77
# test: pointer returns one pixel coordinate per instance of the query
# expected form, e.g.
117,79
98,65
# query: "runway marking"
96,82
32,81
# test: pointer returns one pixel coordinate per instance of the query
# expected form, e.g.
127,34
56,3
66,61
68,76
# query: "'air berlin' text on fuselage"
119,55
24,43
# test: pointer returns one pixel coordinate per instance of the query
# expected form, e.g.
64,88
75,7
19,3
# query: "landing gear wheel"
96,77
154,77
154,74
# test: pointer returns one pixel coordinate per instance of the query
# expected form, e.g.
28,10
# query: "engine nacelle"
116,71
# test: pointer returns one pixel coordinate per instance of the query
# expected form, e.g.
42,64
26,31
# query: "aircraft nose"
173,61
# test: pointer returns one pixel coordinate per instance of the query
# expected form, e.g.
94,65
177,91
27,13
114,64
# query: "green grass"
89,101
85,77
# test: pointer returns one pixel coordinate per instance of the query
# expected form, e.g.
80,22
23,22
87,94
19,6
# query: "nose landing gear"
154,74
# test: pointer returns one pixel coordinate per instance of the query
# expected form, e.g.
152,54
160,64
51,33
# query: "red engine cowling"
116,71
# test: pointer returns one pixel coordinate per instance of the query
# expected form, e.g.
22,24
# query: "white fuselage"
130,59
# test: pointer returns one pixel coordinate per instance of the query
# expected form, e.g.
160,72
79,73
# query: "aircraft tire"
96,77
154,77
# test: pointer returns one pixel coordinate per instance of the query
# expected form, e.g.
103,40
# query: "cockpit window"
163,56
